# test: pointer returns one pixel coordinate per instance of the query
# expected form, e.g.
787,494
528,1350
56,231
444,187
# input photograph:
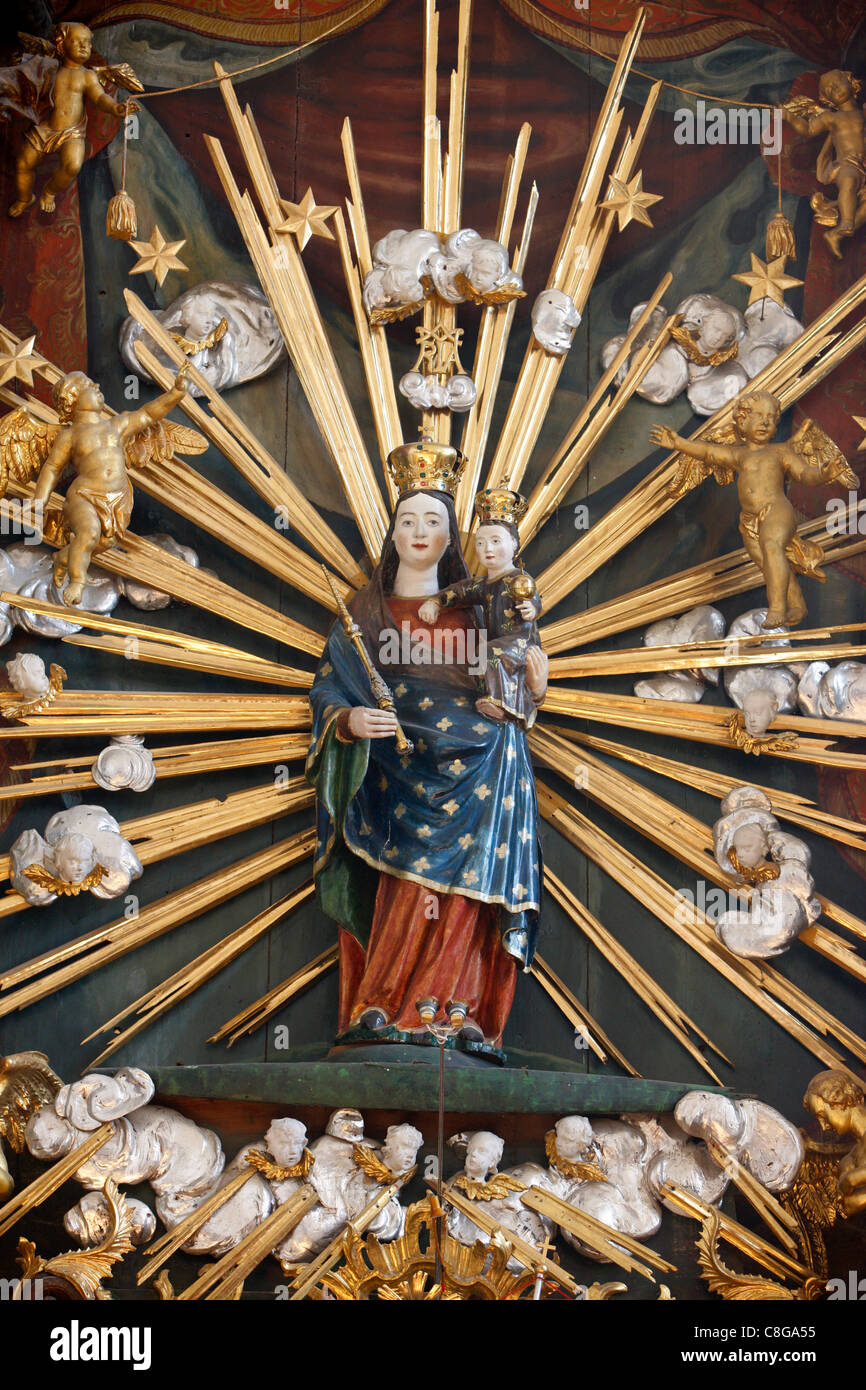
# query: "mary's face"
421,532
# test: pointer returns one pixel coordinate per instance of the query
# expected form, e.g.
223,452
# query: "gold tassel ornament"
780,238
120,218
780,233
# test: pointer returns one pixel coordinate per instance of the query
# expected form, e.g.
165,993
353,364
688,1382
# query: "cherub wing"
160,442
25,444
42,48
26,1083
804,107
121,74
816,448
691,471
814,1201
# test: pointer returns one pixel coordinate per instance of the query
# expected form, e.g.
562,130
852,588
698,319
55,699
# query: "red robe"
425,944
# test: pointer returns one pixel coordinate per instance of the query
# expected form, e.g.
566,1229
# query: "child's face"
494,546
757,423
836,89
77,44
89,398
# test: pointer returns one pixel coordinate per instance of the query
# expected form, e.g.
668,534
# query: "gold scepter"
379,690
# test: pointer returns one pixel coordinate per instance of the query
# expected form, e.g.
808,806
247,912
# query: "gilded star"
456,767
501,850
305,219
157,255
861,421
767,279
19,361
483,792
629,200
399,810
424,831
451,807
444,724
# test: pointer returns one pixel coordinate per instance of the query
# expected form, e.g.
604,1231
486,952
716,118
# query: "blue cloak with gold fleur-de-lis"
458,814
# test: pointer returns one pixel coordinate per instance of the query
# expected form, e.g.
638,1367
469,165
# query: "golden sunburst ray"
130,638
176,760
586,231
195,973
680,834
595,416
63,965
237,442
710,724
224,1279
708,582
575,265
581,1020
493,334
771,992
167,833
800,810
284,279
199,501
716,655
796,369
257,1013
677,1022
90,714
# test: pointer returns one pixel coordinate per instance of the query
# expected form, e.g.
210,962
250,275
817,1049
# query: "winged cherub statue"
838,116
99,449
768,522
51,88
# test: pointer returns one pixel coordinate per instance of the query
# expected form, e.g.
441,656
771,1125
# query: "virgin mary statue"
428,860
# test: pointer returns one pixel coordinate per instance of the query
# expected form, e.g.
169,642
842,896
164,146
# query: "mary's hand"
372,723
536,673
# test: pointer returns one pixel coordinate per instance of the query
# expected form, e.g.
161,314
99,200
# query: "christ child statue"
509,602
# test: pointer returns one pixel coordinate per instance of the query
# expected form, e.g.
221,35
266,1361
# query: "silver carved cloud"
747,342
251,345
409,266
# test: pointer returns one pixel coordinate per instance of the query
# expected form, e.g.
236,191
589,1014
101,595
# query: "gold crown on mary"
500,504
426,464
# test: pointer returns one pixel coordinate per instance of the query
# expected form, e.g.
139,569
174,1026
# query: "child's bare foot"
46,202
21,205
489,710
795,615
73,591
833,239
774,618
